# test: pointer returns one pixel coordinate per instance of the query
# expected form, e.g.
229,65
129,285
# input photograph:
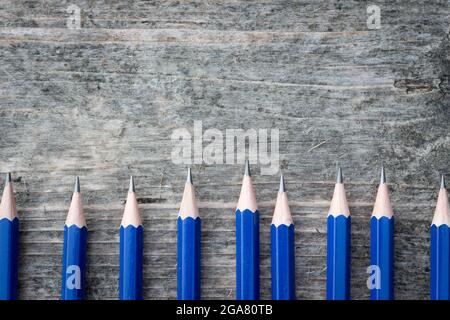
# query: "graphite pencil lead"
77,185
442,181
339,178
282,186
247,169
131,187
8,178
189,176
383,175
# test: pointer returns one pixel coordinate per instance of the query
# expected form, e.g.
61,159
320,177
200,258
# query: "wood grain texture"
103,101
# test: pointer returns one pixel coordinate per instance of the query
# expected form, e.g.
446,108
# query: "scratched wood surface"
102,102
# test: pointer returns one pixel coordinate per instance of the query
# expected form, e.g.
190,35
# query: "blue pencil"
188,245
282,249
247,241
440,248
382,245
74,250
9,243
131,249
338,244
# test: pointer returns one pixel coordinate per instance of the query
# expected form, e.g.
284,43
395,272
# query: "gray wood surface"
102,102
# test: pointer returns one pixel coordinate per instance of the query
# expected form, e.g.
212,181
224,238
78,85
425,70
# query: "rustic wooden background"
101,102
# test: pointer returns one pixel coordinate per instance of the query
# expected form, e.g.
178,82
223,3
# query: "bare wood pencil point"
75,215
339,203
247,198
442,211
131,214
382,206
8,200
282,212
188,206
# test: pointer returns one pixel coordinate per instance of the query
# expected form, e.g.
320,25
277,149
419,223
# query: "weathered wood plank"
102,102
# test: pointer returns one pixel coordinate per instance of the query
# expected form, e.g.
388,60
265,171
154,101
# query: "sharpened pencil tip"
282,186
339,178
247,168
383,175
77,185
189,176
442,181
8,178
131,187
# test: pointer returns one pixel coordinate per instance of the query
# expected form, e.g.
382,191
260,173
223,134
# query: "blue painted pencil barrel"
74,263
130,273
382,257
247,255
338,257
440,262
188,258
9,251
283,262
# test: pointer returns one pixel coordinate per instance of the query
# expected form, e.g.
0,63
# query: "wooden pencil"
247,241
131,249
382,244
188,245
440,248
282,248
9,243
338,244
74,249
